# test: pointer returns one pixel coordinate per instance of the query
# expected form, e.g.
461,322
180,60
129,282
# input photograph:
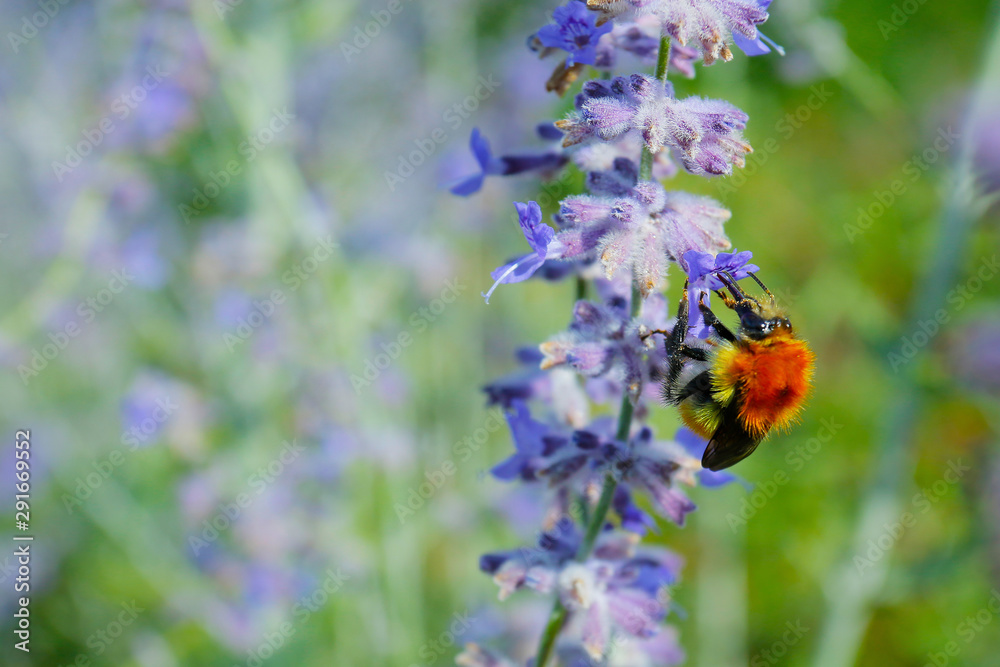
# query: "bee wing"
730,443
727,449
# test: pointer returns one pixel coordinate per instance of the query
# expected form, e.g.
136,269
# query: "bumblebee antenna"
762,286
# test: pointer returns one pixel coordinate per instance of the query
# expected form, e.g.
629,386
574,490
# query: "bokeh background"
201,248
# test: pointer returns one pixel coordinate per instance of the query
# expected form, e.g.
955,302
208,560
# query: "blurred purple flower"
986,156
142,255
166,109
651,465
632,518
505,165
603,341
533,567
975,351
146,408
695,446
533,441
617,592
488,165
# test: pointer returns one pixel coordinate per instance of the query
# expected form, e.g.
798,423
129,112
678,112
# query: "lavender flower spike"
608,479
705,23
540,237
705,134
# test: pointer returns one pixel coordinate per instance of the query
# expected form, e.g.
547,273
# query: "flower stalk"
557,619
627,134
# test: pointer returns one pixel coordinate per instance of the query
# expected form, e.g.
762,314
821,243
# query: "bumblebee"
732,389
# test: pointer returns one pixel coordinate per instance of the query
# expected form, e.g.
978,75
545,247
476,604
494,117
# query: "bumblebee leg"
729,301
677,351
711,320
665,334
674,345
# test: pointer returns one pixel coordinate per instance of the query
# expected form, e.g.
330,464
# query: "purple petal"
699,264
551,35
549,132
751,47
609,116
468,186
615,248
595,631
635,612
584,210
672,503
537,233
481,149
514,272
527,435
518,164
590,358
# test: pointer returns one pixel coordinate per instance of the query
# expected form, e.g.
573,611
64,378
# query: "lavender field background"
241,317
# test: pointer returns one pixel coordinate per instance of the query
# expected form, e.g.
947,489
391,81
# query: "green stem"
851,594
597,519
556,621
662,63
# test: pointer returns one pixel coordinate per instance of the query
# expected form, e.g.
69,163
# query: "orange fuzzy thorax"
772,377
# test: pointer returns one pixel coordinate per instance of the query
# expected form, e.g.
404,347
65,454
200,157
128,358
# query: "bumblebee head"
758,320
